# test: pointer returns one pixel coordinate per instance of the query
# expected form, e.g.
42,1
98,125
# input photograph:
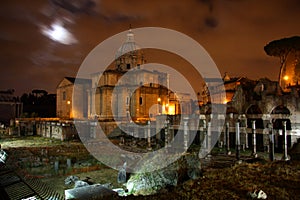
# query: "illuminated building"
141,96
64,91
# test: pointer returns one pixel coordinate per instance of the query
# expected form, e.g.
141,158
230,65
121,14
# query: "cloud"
233,32
211,22
76,6
45,59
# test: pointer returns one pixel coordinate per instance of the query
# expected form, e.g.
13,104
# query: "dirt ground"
278,179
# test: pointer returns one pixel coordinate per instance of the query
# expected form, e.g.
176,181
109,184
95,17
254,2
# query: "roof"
78,80
128,46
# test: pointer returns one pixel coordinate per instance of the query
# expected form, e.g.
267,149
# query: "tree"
39,103
39,93
282,48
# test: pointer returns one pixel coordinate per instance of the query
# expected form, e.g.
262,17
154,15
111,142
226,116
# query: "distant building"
10,107
64,93
264,102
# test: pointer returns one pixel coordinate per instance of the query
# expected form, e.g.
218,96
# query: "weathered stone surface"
90,192
147,183
77,182
150,182
80,184
122,174
71,179
194,170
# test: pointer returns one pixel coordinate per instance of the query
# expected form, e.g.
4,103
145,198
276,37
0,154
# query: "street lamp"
158,101
69,109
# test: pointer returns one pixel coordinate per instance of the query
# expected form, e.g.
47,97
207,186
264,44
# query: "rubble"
95,191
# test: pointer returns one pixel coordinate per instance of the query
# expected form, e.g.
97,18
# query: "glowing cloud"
59,34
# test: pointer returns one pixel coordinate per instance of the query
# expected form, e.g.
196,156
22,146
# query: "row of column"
207,142
254,150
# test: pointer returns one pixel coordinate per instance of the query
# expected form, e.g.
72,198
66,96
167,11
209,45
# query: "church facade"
125,92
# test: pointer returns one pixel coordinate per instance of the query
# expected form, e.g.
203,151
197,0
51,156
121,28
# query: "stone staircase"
14,187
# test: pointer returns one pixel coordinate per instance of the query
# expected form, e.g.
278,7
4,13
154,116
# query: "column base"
238,162
285,158
254,155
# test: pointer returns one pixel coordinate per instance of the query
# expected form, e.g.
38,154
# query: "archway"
254,113
279,115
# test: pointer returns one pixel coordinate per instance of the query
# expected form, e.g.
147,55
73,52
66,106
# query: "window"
64,95
141,100
127,100
128,66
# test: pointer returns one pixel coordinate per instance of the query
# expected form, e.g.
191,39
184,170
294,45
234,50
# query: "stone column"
221,141
157,128
246,139
185,134
56,166
285,156
271,142
254,154
166,132
149,136
209,148
204,136
69,163
245,133
237,140
224,138
228,152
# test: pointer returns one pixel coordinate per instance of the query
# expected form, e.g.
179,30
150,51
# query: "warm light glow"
164,109
158,99
225,101
171,110
68,102
286,77
168,109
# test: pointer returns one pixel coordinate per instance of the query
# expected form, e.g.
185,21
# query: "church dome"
128,46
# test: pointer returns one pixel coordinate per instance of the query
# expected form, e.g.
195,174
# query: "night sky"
233,32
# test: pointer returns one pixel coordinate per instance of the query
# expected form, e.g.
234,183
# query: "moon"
57,32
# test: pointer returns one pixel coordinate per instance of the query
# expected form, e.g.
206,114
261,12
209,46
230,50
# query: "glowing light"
171,110
68,102
225,101
158,99
59,33
286,77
